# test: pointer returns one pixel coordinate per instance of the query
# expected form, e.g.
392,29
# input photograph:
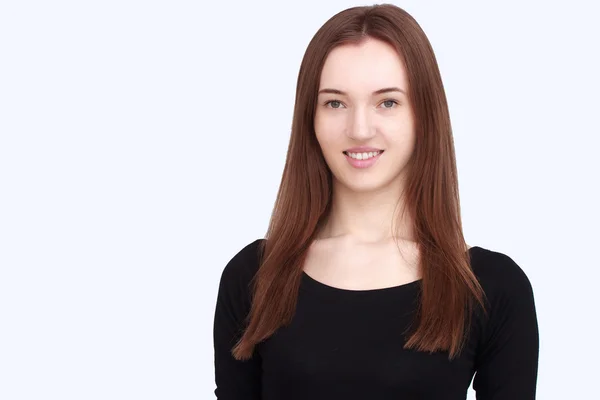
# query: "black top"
347,344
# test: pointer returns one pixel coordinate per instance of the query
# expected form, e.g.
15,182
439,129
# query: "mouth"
363,160
363,155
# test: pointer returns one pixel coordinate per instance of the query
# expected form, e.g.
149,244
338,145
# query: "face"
363,102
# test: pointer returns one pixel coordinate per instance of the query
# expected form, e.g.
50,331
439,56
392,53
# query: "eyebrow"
380,91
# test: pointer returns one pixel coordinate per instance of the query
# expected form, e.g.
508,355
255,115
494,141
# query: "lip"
363,163
361,149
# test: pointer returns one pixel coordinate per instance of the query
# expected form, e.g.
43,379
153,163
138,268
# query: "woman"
364,287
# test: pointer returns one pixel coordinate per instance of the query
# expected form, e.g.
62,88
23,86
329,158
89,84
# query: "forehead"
370,65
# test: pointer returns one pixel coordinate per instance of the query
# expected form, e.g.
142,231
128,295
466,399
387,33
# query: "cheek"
329,132
400,132
401,135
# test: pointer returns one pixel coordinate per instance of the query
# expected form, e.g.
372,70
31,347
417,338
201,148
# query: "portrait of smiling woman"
364,286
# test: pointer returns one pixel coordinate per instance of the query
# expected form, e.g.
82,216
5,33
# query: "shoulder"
500,276
242,266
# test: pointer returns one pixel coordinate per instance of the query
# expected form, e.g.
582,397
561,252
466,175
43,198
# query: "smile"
363,160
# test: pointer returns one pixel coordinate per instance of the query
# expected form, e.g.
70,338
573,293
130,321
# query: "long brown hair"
303,202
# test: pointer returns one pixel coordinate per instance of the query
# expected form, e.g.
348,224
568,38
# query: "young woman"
364,287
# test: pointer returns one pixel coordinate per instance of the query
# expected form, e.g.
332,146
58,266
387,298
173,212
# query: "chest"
362,268
350,346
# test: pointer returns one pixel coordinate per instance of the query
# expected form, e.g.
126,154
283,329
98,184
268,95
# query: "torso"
347,336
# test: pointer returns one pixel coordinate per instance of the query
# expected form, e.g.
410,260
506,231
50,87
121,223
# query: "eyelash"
338,101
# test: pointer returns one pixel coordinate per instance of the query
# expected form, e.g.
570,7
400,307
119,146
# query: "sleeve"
507,361
235,379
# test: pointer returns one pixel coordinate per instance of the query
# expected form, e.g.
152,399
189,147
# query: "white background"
141,147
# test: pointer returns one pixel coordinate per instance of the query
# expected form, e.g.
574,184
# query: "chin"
371,185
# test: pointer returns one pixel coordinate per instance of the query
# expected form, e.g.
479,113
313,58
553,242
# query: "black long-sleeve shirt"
348,344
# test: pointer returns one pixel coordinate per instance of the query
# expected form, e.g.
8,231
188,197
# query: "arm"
507,362
235,380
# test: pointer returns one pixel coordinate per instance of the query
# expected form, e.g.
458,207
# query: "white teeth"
363,156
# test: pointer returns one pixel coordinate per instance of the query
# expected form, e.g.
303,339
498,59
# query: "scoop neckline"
313,284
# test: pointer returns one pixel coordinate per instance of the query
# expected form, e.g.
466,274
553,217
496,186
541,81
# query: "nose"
360,126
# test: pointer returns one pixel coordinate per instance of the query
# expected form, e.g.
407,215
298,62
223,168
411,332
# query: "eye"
390,103
334,103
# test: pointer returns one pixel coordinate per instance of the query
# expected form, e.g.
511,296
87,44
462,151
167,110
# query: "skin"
357,248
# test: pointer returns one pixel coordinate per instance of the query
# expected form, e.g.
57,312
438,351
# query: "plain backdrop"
142,144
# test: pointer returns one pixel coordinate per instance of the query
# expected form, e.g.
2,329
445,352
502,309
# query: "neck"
370,216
